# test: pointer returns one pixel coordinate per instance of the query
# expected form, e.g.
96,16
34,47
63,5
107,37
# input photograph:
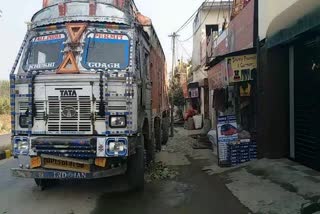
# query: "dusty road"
5,140
192,191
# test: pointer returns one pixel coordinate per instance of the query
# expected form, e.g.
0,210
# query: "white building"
210,18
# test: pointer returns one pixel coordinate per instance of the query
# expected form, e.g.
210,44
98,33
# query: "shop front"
289,89
232,88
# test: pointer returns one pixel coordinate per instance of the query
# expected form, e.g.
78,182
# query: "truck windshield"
45,52
106,51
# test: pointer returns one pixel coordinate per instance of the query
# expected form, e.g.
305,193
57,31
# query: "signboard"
194,92
240,29
240,68
218,76
227,132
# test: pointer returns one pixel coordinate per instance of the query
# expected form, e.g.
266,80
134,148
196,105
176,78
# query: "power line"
183,48
219,11
190,18
211,6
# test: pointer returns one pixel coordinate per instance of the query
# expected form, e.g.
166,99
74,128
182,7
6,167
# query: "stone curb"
5,154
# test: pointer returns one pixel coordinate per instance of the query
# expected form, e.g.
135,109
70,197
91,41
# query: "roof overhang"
300,17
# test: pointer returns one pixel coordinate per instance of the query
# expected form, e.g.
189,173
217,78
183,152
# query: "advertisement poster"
227,129
217,76
240,68
194,92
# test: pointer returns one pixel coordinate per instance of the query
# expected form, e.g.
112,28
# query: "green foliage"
178,99
4,97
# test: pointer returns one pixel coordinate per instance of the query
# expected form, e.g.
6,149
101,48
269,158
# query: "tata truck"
88,93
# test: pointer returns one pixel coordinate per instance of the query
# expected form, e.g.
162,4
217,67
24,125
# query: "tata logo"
68,92
69,112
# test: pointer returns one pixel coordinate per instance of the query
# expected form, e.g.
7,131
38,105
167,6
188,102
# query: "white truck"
81,93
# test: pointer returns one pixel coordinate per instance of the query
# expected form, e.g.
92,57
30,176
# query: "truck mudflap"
64,175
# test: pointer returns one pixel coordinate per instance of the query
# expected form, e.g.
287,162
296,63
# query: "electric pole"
173,36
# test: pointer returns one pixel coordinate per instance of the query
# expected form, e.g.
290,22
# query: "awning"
302,16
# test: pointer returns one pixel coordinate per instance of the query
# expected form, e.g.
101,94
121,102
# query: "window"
106,51
45,52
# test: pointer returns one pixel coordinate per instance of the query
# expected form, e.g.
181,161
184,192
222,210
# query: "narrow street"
190,191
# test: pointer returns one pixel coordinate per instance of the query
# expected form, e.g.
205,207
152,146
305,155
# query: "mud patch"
159,171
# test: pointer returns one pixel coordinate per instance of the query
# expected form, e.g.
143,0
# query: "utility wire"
211,6
220,11
190,18
184,49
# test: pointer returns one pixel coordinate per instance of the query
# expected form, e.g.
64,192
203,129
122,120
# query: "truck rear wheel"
136,166
157,135
165,130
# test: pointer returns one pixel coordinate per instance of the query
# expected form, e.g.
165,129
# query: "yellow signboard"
241,68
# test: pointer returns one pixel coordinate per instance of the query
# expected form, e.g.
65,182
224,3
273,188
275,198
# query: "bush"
4,97
4,105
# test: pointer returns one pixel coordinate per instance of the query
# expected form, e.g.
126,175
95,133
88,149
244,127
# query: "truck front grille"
69,114
76,148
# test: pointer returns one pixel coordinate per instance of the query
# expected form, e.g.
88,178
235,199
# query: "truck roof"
61,11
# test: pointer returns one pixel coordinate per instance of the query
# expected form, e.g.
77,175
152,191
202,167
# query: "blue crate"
245,157
234,158
244,160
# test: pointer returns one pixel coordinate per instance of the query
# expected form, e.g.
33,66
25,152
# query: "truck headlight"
21,146
118,121
116,147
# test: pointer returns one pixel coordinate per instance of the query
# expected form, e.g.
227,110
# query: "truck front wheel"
45,183
136,166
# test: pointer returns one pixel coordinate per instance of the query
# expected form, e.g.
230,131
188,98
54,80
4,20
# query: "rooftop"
216,4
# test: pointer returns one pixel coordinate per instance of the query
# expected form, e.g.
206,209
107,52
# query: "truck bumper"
65,175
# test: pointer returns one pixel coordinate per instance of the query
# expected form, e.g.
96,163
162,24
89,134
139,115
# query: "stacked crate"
242,152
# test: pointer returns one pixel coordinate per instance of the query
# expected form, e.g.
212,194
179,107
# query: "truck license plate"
51,163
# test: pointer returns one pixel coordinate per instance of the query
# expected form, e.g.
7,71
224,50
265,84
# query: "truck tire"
45,183
136,167
150,150
157,136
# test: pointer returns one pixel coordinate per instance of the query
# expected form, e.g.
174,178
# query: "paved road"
192,192
5,140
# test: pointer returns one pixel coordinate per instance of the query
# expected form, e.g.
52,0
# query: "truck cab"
81,93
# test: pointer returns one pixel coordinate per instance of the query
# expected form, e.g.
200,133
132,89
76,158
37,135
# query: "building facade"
289,81
209,21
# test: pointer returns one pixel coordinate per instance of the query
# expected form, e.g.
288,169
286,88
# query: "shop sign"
217,76
227,132
240,68
194,92
240,29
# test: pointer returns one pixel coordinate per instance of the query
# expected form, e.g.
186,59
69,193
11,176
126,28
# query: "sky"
167,16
